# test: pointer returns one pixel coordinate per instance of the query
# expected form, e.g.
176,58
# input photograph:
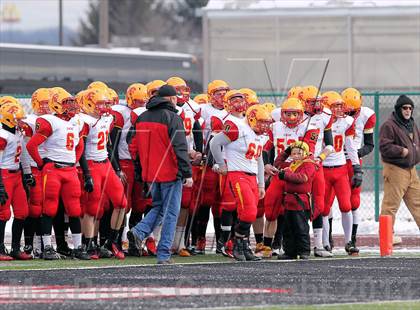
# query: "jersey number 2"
103,139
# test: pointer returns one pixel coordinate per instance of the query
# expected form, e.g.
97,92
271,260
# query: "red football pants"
245,190
227,199
355,192
64,183
318,192
127,167
337,184
17,197
106,185
273,200
35,194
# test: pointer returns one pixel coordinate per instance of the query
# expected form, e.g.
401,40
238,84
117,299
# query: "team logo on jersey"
37,126
227,127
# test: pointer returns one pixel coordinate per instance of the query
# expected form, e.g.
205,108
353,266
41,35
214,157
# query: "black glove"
88,184
29,180
288,150
137,172
281,174
356,180
3,194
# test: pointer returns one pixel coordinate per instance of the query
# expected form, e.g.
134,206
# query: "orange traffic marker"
385,235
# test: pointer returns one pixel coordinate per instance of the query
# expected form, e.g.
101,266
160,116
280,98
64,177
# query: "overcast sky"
36,14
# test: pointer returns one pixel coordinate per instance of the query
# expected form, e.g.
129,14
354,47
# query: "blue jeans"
166,203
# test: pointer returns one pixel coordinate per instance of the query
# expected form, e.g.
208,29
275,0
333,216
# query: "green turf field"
387,305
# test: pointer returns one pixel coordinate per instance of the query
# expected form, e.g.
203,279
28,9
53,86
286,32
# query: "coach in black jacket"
161,145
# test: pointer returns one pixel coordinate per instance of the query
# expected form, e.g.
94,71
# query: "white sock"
77,240
325,231
177,239
347,222
182,242
37,242
356,217
47,240
156,233
318,238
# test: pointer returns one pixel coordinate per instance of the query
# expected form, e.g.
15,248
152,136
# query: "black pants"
296,239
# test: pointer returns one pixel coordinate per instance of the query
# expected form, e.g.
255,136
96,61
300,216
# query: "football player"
107,182
32,177
12,193
59,134
242,143
206,192
335,170
365,121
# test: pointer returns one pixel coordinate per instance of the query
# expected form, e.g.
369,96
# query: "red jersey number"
253,151
70,141
18,153
281,146
187,126
338,143
103,139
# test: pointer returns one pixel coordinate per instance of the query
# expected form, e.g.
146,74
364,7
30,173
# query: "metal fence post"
377,167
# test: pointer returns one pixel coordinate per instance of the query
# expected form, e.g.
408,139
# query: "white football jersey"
284,136
97,137
125,113
341,128
317,125
212,118
364,123
30,120
61,145
11,154
243,152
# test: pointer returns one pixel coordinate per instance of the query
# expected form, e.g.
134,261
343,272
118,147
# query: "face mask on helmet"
236,104
314,105
291,118
70,107
263,127
337,109
182,94
103,107
216,98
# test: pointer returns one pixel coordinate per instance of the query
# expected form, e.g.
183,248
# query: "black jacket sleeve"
180,147
83,161
328,137
268,156
198,137
113,154
368,145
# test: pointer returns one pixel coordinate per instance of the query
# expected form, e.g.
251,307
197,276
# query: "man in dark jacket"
399,144
161,146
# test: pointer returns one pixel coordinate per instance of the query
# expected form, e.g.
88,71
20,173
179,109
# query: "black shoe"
19,255
303,257
192,250
50,254
103,252
165,262
249,255
81,253
238,250
221,249
28,249
328,248
65,250
351,249
285,257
